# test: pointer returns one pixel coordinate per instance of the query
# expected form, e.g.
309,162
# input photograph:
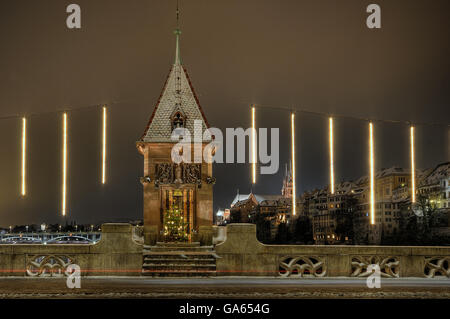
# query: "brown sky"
317,55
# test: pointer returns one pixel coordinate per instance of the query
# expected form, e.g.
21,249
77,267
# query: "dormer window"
178,121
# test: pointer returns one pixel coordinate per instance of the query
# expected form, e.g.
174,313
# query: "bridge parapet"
243,254
115,254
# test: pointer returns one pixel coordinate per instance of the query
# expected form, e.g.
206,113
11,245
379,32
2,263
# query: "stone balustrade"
238,253
115,254
241,254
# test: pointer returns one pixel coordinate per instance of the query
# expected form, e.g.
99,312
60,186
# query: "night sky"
313,55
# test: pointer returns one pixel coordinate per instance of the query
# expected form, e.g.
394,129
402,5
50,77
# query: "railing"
50,238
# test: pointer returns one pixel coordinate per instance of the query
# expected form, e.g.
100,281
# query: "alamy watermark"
73,273
189,148
374,279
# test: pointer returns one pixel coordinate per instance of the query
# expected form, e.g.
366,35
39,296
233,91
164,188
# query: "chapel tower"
168,186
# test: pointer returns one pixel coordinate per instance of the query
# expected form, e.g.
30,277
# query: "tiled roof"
177,95
259,198
159,128
440,172
384,172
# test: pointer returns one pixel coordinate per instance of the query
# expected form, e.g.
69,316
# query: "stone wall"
115,254
243,255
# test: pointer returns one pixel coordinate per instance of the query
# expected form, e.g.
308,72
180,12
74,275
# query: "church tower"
286,190
168,186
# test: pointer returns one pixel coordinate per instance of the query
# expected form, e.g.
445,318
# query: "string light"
294,190
413,167
64,181
372,177
104,147
24,156
239,101
254,152
253,146
331,156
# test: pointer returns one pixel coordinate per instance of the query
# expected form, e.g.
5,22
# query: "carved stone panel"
389,266
164,173
48,265
437,266
192,174
169,173
302,266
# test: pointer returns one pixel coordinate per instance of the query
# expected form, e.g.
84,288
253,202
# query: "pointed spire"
177,33
290,171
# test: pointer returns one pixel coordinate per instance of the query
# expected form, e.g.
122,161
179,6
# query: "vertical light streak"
104,147
413,168
294,186
64,181
372,177
331,156
24,156
253,147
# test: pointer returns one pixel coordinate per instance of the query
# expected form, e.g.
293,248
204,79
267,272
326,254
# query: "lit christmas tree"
175,228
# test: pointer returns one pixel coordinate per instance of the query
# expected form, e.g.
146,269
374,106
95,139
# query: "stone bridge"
120,253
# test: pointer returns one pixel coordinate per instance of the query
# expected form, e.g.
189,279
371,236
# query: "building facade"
435,184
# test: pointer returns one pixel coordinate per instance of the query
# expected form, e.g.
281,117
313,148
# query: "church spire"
177,33
177,106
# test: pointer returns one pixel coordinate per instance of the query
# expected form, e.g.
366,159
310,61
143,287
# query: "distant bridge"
50,238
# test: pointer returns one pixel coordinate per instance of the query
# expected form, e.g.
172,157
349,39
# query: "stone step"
182,273
180,261
175,254
164,249
178,257
174,245
163,244
170,267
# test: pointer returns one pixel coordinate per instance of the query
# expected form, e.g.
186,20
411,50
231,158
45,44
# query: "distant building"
288,185
226,214
275,208
242,207
325,211
392,194
392,186
277,211
436,186
218,217
222,216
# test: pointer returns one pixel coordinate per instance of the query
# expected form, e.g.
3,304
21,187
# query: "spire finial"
178,15
177,33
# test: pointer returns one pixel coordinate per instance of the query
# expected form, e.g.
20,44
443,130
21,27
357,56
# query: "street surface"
222,287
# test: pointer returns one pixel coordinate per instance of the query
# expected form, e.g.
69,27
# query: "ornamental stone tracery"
302,266
389,266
